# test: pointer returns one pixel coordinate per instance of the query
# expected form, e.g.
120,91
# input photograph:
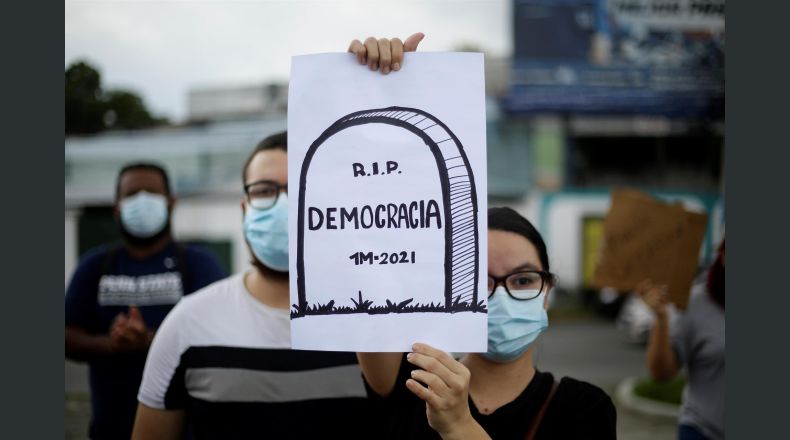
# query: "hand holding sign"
655,296
383,53
443,383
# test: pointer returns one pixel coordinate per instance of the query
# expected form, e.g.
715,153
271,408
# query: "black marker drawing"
459,209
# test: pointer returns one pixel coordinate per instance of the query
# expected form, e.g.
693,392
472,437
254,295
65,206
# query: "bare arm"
82,346
661,360
380,370
157,424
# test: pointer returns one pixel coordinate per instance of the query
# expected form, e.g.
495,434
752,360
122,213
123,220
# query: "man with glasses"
120,294
222,365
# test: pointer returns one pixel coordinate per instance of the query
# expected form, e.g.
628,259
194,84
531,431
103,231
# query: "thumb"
410,45
134,314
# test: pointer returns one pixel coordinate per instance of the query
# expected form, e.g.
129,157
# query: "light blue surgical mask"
513,325
267,233
144,214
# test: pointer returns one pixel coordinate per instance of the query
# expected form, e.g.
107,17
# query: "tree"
89,109
126,110
84,106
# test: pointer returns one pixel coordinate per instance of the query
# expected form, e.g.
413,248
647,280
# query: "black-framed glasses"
263,194
522,285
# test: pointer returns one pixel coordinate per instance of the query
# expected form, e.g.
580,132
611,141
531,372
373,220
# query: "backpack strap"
181,265
533,427
107,262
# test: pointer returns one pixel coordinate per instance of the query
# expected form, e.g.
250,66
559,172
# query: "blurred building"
229,103
603,94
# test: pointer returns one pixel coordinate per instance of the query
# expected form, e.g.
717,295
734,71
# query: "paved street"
584,348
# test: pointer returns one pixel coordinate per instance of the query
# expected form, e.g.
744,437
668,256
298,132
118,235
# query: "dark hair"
141,166
715,280
277,141
508,220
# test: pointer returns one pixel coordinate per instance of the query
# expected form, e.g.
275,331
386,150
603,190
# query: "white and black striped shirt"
225,358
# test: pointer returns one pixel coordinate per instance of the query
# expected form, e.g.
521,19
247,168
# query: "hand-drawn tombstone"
402,193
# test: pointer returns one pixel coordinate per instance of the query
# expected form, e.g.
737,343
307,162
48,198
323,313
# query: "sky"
161,49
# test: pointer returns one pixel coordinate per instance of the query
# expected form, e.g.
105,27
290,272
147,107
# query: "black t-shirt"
107,281
579,410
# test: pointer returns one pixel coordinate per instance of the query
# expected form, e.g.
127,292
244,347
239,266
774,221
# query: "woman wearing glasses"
498,394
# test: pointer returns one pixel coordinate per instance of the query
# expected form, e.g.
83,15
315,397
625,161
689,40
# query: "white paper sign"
387,203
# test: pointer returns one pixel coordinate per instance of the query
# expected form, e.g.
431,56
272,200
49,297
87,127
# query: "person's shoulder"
582,395
697,297
94,257
214,295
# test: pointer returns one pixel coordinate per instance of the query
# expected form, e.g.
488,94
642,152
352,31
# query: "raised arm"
380,370
661,360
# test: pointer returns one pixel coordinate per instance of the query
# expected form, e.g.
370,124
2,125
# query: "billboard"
658,57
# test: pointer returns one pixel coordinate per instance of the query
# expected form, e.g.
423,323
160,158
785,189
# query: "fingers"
423,393
120,321
412,42
372,47
136,321
452,373
433,381
430,364
396,46
441,356
385,55
134,314
358,49
656,296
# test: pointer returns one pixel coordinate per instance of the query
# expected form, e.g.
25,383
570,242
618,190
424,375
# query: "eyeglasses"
522,285
263,194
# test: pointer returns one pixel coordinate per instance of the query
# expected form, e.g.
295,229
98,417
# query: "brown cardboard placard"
645,238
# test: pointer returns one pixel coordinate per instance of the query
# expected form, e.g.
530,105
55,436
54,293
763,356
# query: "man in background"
119,295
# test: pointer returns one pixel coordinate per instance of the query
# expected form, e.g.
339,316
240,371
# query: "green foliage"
89,109
669,392
127,110
84,105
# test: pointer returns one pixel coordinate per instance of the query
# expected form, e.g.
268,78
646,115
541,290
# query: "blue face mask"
267,234
144,214
513,325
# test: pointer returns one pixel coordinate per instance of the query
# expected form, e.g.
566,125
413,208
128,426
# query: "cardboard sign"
647,239
387,213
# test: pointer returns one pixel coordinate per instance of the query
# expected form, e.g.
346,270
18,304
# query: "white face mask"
513,325
267,234
144,214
